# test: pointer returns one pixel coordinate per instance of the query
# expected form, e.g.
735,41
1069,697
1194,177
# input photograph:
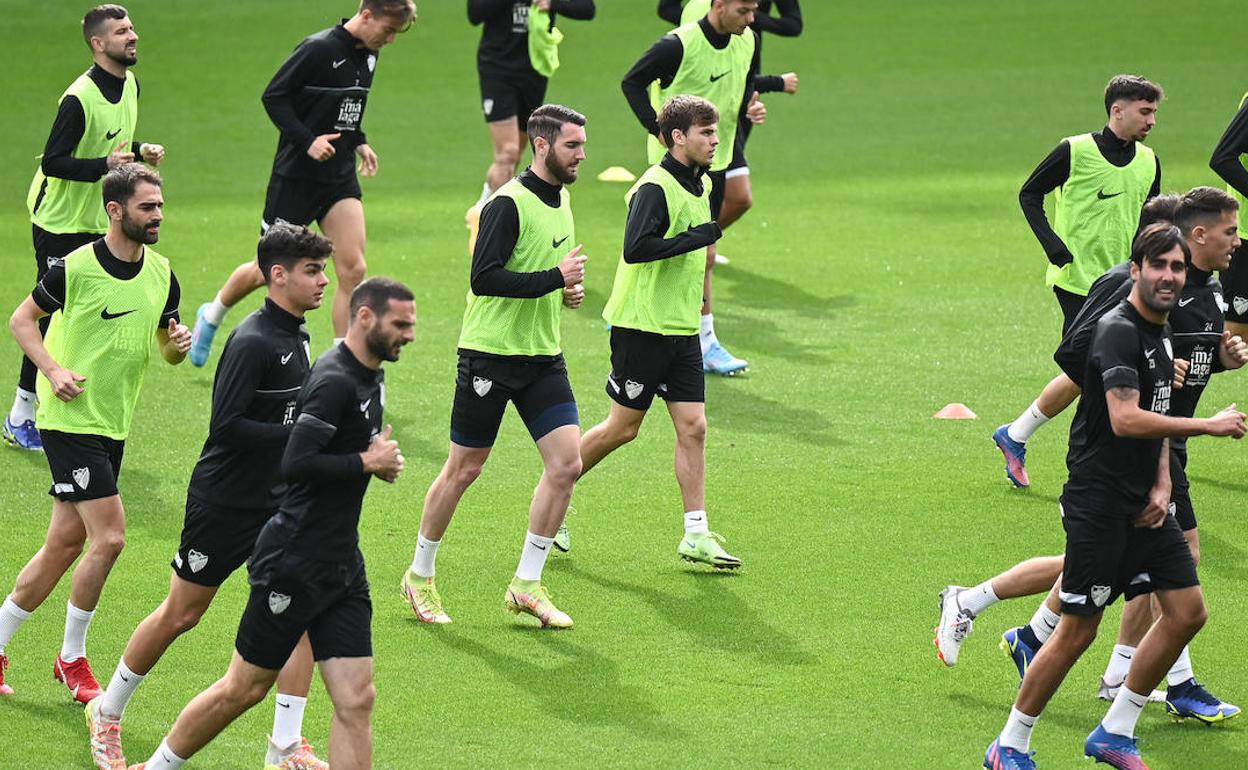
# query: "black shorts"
1106,555
718,182
484,385
291,595
1181,491
504,97
1070,304
645,365
84,466
51,248
216,541
1235,284
739,164
304,201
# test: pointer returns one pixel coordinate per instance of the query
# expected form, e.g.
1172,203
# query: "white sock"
1119,665
164,758
1044,622
533,557
706,332
695,522
74,644
1124,712
120,689
1027,423
978,599
23,407
424,563
11,618
216,310
1017,732
1181,671
288,722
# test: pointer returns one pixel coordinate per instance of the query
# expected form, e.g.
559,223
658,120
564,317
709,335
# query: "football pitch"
885,271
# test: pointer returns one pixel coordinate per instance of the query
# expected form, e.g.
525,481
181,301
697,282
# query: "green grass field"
884,272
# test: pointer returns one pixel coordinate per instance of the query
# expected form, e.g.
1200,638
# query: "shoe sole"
11,440
1026,482
1206,721
516,608
729,373
1004,646
692,560
561,548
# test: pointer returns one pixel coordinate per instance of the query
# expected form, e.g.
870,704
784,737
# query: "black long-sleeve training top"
787,24
648,219
496,240
1226,162
49,293
504,47
68,128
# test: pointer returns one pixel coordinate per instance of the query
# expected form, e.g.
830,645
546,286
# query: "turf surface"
884,272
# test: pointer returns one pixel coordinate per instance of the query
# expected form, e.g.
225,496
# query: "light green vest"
512,326
664,296
65,206
544,43
1097,211
717,76
694,10
1243,202
105,333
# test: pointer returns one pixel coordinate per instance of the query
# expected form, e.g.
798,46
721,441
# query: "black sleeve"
755,66
480,11
768,84
648,223
669,11
279,95
1051,174
1155,190
496,240
305,458
788,25
58,154
582,10
1115,351
49,294
1226,156
171,303
659,63
242,364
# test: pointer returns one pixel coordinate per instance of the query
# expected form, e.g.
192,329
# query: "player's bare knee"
179,621
109,545
564,471
356,704
623,432
1190,617
462,475
351,272
693,429
507,154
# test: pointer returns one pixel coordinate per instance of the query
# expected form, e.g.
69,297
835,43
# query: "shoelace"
1198,692
962,625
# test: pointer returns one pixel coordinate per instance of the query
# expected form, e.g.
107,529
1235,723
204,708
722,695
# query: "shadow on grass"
1229,558
744,411
995,710
1229,486
758,290
413,438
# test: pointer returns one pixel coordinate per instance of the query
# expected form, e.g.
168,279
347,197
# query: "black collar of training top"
280,316
545,191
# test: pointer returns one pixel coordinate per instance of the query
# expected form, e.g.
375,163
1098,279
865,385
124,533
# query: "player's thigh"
343,627
482,390
683,381
688,419
1096,544
215,542
639,366
1159,560
343,223
66,529
187,599
545,402
349,682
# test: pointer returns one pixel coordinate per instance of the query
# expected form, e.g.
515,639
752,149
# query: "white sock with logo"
23,407
120,689
978,599
164,758
214,312
424,563
1044,623
74,644
1027,423
706,332
1181,671
1017,732
1119,664
287,725
11,618
696,522
1124,712
533,557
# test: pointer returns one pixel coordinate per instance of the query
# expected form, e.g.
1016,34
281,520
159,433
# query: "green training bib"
1243,202
544,40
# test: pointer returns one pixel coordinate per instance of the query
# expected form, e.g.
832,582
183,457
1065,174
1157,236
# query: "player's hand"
65,383
1181,366
756,111
1061,259
120,156
1234,351
1228,422
322,148
573,267
790,82
179,336
368,160
542,5
1154,514
382,458
152,153
573,296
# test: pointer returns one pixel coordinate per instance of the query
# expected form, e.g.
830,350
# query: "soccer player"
712,58
92,134
307,573
523,273
109,298
235,489
1230,161
1120,538
1100,182
317,101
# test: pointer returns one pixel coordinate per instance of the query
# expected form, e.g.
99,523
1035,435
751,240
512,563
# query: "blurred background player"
92,134
1230,161
1100,182
317,101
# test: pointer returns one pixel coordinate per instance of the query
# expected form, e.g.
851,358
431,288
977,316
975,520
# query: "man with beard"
1120,538
92,134
109,297
509,350
307,573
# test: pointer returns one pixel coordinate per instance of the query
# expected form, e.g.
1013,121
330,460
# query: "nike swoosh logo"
286,358
1149,353
1100,195
717,77
283,705
107,316
1186,302
124,678
540,547
338,64
364,406
556,244
1126,657
110,135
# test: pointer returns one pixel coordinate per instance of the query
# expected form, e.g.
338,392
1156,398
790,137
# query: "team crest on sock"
278,602
82,477
482,385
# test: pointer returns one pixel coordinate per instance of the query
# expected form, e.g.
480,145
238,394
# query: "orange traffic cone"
955,411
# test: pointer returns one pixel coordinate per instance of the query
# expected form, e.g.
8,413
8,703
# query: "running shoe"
1191,700
532,598
302,758
720,259
1015,456
4,666
1108,692
705,548
23,436
201,337
1021,645
423,596
999,757
78,678
563,538
1114,750
717,360
955,626
105,738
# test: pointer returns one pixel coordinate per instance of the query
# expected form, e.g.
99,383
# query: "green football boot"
705,548
532,598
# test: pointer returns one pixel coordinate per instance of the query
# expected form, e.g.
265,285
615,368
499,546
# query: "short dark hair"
1157,239
285,244
1132,88
121,182
96,17
547,121
404,10
1159,209
680,113
1201,205
375,293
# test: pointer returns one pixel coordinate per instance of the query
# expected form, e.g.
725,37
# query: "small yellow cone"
956,411
616,174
